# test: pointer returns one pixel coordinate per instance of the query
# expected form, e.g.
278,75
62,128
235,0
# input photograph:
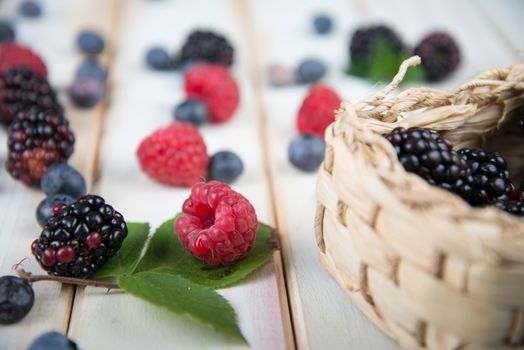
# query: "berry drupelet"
365,40
203,45
35,141
80,237
489,178
440,55
513,207
22,89
430,156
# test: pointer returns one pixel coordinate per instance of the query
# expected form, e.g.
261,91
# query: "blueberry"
63,178
225,166
30,8
191,111
53,341
16,299
158,59
90,42
310,71
45,209
85,92
322,24
306,152
91,68
7,33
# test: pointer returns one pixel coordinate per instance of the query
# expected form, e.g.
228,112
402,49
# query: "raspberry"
22,89
215,87
174,155
81,238
207,46
317,110
15,55
440,55
35,141
218,226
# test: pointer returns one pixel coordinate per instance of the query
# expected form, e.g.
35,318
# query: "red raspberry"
174,155
215,87
15,55
219,225
317,110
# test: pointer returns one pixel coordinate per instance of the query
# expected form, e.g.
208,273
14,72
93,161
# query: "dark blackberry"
513,207
80,237
489,177
35,141
430,156
21,89
203,45
365,40
440,55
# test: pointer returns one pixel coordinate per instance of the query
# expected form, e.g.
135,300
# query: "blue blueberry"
306,152
45,209
322,24
53,341
90,42
225,166
310,71
191,111
63,178
7,33
91,68
158,59
85,92
16,299
30,8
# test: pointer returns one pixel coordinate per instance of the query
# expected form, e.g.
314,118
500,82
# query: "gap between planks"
279,257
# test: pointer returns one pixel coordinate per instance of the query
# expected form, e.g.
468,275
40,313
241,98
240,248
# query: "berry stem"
30,278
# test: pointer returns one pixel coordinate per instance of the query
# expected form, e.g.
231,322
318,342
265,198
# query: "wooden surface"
291,302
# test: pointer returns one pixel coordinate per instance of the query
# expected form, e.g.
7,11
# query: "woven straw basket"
431,271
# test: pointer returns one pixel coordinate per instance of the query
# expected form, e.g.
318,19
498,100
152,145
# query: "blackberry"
513,207
430,156
365,40
16,299
203,45
79,238
35,141
440,55
489,177
22,89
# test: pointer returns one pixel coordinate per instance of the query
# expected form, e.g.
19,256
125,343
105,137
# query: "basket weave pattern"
431,271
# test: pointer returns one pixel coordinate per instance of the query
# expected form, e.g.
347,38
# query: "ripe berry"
90,42
310,71
16,299
318,110
440,55
30,8
66,246
174,155
47,206
52,341
225,166
91,68
63,178
158,59
86,92
306,152
7,32
15,55
513,207
215,87
322,23
202,45
191,111
219,225
365,40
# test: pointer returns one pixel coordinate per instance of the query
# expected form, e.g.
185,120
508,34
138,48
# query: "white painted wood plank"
142,100
53,37
323,316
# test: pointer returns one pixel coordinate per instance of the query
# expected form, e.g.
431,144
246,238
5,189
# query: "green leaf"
125,261
166,254
183,297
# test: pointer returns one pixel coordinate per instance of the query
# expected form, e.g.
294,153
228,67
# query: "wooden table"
291,302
